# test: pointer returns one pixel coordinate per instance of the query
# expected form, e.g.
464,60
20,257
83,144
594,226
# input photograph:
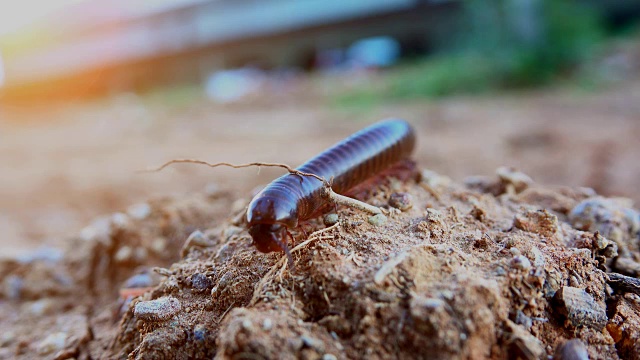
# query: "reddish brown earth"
497,267
65,165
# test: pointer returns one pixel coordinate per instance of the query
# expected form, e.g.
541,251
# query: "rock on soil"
498,268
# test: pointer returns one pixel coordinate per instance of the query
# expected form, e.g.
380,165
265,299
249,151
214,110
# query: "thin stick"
351,202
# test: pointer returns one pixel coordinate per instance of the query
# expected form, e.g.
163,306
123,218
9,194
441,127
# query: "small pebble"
267,324
7,338
157,310
329,357
44,253
478,182
583,253
139,281
433,179
523,344
401,201
524,320
13,285
538,257
312,343
295,343
159,245
200,282
611,251
41,307
330,219
519,180
123,254
212,189
197,238
601,242
53,342
377,220
515,251
139,211
98,230
199,332
573,349
580,308
447,294
120,220
141,254
520,262
225,280
611,218
633,219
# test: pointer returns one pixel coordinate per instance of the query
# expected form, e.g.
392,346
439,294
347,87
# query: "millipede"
293,198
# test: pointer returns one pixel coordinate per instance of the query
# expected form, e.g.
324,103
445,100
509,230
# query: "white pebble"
120,220
41,307
53,342
123,254
377,220
520,262
98,230
139,211
157,310
159,245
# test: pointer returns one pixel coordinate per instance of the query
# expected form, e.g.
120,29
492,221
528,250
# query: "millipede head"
269,237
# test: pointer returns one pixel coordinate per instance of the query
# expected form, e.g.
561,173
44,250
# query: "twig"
388,267
353,203
624,283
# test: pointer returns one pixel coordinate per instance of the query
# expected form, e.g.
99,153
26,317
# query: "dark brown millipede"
293,198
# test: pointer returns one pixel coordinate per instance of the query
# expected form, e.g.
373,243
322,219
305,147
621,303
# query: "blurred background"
93,91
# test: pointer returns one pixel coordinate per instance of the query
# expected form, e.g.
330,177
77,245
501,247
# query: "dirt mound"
496,268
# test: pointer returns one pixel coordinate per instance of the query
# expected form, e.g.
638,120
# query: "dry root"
280,265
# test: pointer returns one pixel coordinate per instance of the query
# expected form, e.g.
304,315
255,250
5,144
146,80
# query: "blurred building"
99,47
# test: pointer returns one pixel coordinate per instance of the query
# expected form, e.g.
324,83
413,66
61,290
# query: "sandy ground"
64,165
498,267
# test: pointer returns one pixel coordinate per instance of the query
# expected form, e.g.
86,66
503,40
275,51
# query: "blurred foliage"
614,62
176,96
501,44
442,75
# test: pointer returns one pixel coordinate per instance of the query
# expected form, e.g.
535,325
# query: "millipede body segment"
292,198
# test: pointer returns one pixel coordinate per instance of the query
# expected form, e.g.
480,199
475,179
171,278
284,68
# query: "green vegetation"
176,96
499,46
